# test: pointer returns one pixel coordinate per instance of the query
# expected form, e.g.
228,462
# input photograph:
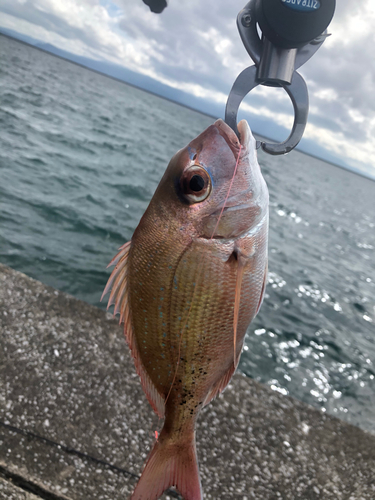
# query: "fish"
186,286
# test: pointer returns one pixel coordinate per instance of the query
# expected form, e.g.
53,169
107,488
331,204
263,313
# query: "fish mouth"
242,198
235,221
231,138
236,207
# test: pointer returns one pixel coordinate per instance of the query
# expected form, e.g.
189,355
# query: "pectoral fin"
241,261
263,288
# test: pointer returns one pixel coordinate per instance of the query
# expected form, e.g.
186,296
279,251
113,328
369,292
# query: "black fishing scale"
291,31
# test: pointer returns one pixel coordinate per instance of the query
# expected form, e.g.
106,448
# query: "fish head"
214,187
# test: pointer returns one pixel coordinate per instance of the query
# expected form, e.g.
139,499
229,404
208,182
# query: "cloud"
195,46
84,28
342,85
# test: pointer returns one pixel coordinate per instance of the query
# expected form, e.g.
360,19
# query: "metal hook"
297,91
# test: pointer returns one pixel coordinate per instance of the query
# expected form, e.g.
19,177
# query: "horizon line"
352,170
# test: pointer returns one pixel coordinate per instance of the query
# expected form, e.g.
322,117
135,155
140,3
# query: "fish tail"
170,463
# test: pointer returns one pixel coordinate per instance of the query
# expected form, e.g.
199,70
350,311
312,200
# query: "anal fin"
221,384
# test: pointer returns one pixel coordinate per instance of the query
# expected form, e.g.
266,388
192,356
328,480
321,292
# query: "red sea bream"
187,286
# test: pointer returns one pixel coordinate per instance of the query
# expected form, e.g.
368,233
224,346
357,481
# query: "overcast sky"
194,46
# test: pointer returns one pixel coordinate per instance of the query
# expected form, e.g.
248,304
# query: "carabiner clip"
275,65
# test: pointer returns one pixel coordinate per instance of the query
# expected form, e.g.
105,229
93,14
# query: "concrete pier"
75,424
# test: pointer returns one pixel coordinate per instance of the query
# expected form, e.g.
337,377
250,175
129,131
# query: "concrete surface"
11,492
74,423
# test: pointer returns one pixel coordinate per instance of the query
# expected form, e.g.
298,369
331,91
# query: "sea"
80,157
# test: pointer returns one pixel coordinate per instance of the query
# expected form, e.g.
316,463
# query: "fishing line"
198,267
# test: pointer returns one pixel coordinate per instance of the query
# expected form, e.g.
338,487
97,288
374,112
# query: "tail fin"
170,464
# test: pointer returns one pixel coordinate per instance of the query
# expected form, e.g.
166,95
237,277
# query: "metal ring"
298,94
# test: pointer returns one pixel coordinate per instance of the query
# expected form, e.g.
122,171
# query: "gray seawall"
75,424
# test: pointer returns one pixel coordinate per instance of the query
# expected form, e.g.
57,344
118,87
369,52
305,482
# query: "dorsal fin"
119,296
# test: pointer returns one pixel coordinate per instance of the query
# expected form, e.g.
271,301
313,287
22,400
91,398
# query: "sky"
195,46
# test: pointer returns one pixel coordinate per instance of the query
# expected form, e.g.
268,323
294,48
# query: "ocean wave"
78,170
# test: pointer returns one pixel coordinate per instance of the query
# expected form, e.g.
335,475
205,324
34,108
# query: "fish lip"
227,133
230,136
246,137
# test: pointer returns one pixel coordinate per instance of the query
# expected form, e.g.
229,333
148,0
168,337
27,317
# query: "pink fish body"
187,286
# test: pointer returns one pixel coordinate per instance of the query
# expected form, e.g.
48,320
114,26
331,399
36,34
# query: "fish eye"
195,184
